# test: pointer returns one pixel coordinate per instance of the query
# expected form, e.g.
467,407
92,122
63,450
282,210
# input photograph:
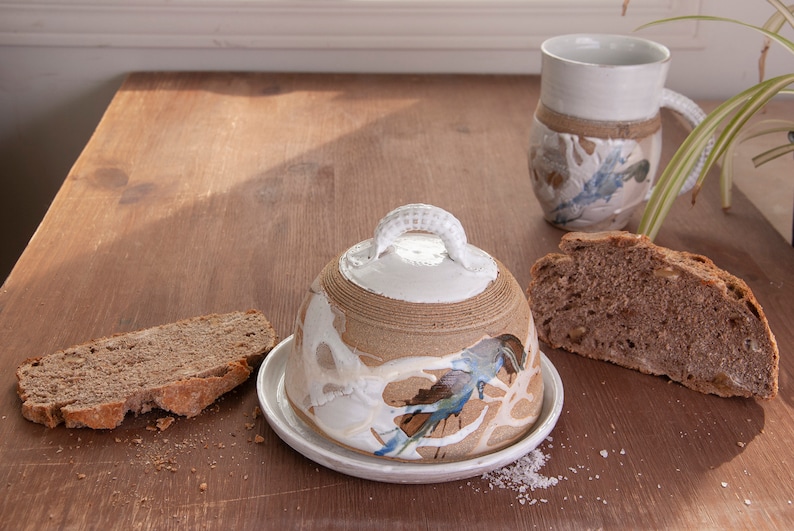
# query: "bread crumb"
249,425
747,502
203,487
604,453
259,439
257,412
740,444
724,484
164,423
80,476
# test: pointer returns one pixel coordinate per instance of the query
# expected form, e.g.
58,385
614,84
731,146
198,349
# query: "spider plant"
733,115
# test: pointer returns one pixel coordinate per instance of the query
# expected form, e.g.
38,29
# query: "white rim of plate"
303,439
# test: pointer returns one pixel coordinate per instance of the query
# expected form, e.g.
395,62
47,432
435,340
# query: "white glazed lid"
435,265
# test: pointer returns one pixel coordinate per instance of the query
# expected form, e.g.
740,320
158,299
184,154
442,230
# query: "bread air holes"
737,290
754,309
751,345
735,320
741,293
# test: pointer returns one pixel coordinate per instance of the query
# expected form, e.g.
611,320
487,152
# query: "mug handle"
693,114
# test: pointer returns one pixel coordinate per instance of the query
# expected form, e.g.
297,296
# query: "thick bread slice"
616,296
181,367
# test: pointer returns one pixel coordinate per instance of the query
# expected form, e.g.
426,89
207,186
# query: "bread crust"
79,386
616,296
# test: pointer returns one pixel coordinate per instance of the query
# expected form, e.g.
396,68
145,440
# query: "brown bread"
616,296
181,367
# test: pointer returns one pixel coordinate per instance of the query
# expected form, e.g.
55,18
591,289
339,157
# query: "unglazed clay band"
392,328
562,123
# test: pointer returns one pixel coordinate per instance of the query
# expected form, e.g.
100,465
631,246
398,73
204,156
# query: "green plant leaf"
784,14
772,154
677,170
765,127
774,24
744,105
763,92
770,34
733,113
769,126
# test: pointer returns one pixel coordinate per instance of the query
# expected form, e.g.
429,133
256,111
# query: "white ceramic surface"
303,439
416,347
331,383
435,265
594,156
603,77
592,191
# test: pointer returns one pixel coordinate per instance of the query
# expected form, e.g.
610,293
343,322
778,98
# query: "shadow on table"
258,238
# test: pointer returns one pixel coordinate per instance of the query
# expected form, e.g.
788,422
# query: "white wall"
62,60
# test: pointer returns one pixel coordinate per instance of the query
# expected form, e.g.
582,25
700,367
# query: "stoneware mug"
596,135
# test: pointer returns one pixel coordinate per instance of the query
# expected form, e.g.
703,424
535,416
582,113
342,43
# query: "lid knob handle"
439,266
428,218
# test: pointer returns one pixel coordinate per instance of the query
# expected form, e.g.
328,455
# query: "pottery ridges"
416,347
399,354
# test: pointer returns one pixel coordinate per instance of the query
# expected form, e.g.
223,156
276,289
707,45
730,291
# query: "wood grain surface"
213,192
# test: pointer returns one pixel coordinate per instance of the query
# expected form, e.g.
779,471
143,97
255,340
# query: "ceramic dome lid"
434,265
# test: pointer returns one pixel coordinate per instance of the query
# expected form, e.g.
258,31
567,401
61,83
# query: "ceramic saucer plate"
302,438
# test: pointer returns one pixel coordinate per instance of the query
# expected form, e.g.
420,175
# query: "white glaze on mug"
601,77
609,82
590,191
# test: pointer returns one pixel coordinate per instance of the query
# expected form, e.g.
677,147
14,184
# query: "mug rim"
550,48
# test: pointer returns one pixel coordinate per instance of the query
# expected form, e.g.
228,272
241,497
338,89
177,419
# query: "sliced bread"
180,367
618,297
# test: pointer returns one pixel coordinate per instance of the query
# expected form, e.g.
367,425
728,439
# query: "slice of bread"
616,296
181,367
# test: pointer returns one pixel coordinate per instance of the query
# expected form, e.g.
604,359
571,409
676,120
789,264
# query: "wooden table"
203,193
